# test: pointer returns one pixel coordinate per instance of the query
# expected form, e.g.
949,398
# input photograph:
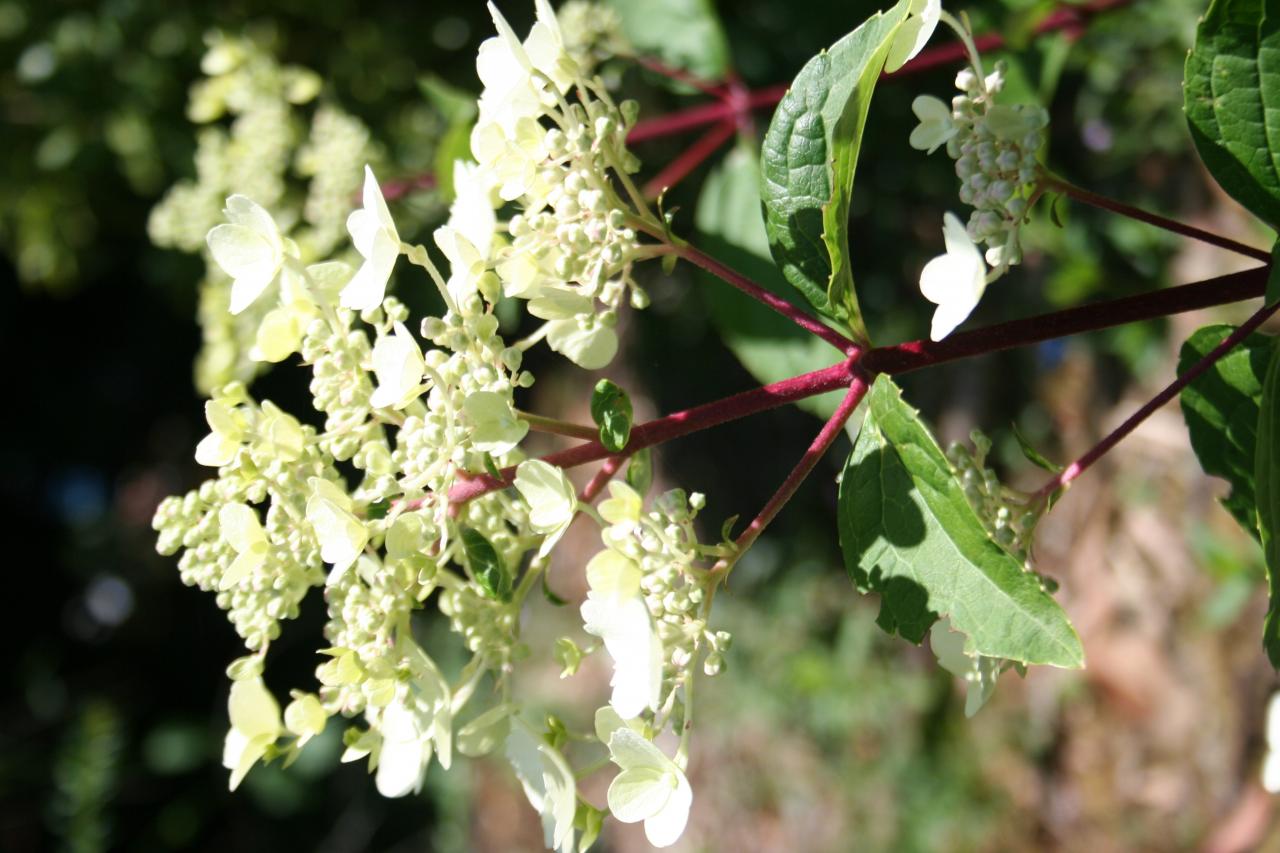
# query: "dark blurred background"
823,734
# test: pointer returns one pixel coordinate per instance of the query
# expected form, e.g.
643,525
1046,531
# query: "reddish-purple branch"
758,293
821,443
1075,469
1222,290
1102,202
602,478
680,423
690,159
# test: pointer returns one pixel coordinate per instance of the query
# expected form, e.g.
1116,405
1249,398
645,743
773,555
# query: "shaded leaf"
731,225
1267,475
640,471
1231,94
683,33
908,534
611,411
487,565
1221,409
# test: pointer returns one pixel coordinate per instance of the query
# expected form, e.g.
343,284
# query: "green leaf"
1231,95
1221,409
682,33
909,535
640,471
809,155
731,227
1267,473
611,410
486,565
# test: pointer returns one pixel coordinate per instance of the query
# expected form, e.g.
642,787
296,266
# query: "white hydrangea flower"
551,498
548,784
280,332
415,723
255,726
922,20
954,281
305,717
494,425
650,788
472,213
227,431
584,340
936,124
342,537
978,672
615,612
375,237
242,530
398,364
249,249
279,434
466,264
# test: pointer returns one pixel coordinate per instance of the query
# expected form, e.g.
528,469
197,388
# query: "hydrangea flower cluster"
995,148
416,415
254,141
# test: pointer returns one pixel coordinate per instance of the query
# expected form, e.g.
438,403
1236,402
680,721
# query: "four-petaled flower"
342,536
249,248
551,498
398,364
650,788
954,281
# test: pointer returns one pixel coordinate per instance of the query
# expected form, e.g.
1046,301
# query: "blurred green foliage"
114,721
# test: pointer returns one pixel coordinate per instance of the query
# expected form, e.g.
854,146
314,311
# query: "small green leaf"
809,155
549,594
683,33
731,227
611,410
1231,95
588,820
491,467
908,534
377,509
1267,474
486,565
1035,457
1221,409
640,471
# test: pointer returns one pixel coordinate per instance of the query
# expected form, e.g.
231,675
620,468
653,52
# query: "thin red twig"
821,443
690,159
657,66
758,293
679,424
602,478
1075,469
1070,190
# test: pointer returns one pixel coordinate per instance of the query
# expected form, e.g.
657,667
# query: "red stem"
682,120
1100,201
690,159
758,293
602,478
821,443
680,423
1075,469
1224,289
901,359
